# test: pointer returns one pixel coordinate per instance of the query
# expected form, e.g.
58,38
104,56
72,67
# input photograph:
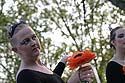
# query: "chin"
36,54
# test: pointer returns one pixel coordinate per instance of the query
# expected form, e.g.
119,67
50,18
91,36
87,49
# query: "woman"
114,71
26,44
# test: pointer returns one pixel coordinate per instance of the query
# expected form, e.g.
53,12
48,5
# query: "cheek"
25,50
120,41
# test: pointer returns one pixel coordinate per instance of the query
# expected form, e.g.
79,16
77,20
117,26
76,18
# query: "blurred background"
63,26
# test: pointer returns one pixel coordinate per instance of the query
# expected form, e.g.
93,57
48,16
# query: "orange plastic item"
123,69
79,58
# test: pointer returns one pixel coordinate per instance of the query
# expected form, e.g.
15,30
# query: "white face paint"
28,45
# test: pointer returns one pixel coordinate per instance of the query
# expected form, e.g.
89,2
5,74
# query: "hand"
64,58
86,73
82,74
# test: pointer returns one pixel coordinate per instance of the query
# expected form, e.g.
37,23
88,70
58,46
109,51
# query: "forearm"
59,69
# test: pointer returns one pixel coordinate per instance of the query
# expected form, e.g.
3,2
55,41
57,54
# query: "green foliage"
81,26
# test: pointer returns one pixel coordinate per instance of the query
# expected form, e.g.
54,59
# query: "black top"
114,73
59,68
32,76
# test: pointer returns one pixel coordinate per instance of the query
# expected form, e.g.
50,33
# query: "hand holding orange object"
79,58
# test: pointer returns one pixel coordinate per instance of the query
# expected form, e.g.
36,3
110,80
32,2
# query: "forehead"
121,30
24,33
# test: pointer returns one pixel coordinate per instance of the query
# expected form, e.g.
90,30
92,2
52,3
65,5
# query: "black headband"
12,29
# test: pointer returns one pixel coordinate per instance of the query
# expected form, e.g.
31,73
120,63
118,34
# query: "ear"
14,49
113,42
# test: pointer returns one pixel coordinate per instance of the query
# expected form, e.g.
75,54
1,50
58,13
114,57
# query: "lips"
35,49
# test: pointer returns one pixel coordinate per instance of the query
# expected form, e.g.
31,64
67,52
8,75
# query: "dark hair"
12,28
113,34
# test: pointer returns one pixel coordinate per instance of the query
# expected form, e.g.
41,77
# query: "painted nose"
33,43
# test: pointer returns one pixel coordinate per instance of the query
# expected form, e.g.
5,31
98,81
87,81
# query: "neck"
30,63
119,57
120,54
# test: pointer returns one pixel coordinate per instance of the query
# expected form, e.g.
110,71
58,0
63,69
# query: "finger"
85,68
89,75
86,72
88,79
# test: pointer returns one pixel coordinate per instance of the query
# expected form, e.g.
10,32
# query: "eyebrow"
121,34
28,37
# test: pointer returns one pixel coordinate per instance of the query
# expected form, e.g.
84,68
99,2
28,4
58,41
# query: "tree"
80,25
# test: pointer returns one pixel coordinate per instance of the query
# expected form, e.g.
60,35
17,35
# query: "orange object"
79,58
123,69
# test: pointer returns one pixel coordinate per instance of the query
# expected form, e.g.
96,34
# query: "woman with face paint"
115,72
26,44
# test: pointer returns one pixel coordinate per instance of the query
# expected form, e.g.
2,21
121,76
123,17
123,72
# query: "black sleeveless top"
114,73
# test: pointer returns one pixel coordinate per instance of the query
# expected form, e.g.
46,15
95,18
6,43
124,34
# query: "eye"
25,41
34,37
120,35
